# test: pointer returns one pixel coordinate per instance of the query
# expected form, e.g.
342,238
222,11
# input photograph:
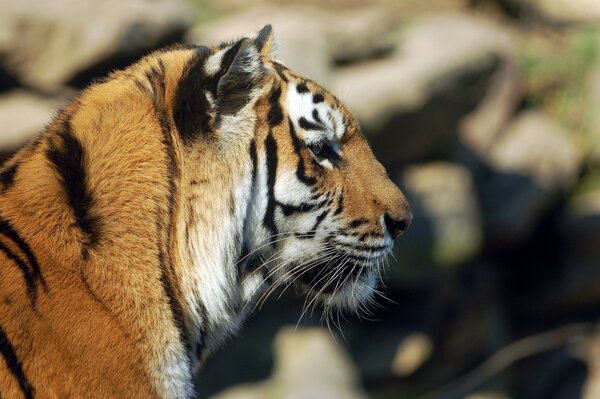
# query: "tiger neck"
215,238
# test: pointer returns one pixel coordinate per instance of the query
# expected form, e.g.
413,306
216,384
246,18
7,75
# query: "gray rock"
410,103
447,228
594,106
309,365
480,128
411,354
48,44
534,163
359,34
592,354
567,10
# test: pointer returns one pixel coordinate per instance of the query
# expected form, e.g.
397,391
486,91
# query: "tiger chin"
138,229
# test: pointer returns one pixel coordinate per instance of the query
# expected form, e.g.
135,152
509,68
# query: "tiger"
138,228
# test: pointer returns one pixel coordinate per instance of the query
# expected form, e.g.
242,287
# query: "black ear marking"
264,35
241,68
266,43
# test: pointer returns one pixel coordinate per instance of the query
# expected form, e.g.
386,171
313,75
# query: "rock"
567,10
412,352
594,100
447,229
49,44
479,129
360,34
302,38
24,115
487,395
580,233
308,365
410,103
592,385
534,163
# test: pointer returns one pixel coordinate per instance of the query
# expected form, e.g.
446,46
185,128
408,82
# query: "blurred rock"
580,232
410,103
567,10
309,365
487,395
534,163
302,37
49,44
411,354
360,34
447,229
23,116
479,129
592,385
311,39
594,105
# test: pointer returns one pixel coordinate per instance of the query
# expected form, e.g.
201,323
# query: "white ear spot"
213,64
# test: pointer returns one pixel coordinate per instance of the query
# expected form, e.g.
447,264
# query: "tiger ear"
241,70
266,43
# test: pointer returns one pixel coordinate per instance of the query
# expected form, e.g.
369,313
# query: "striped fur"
164,202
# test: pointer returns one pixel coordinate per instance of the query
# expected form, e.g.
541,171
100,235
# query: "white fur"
213,63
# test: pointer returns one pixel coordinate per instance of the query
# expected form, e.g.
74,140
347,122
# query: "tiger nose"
397,226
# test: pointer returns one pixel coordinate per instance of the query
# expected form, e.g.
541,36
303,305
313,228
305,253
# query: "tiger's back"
136,229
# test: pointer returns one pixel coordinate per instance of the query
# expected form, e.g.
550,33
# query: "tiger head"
322,213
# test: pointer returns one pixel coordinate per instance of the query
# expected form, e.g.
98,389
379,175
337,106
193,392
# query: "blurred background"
485,112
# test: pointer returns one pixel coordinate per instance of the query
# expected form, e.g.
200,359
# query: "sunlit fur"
164,203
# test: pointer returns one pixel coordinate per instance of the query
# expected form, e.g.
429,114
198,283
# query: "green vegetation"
556,77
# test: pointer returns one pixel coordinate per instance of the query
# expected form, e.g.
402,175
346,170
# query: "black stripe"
168,288
7,230
340,204
315,115
320,219
7,176
358,222
27,275
300,169
191,109
254,159
363,248
275,115
308,125
288,209
280,69
69,160
14,365
311,233
165,226
271,160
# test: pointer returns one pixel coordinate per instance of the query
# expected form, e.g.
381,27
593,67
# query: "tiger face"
324,212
